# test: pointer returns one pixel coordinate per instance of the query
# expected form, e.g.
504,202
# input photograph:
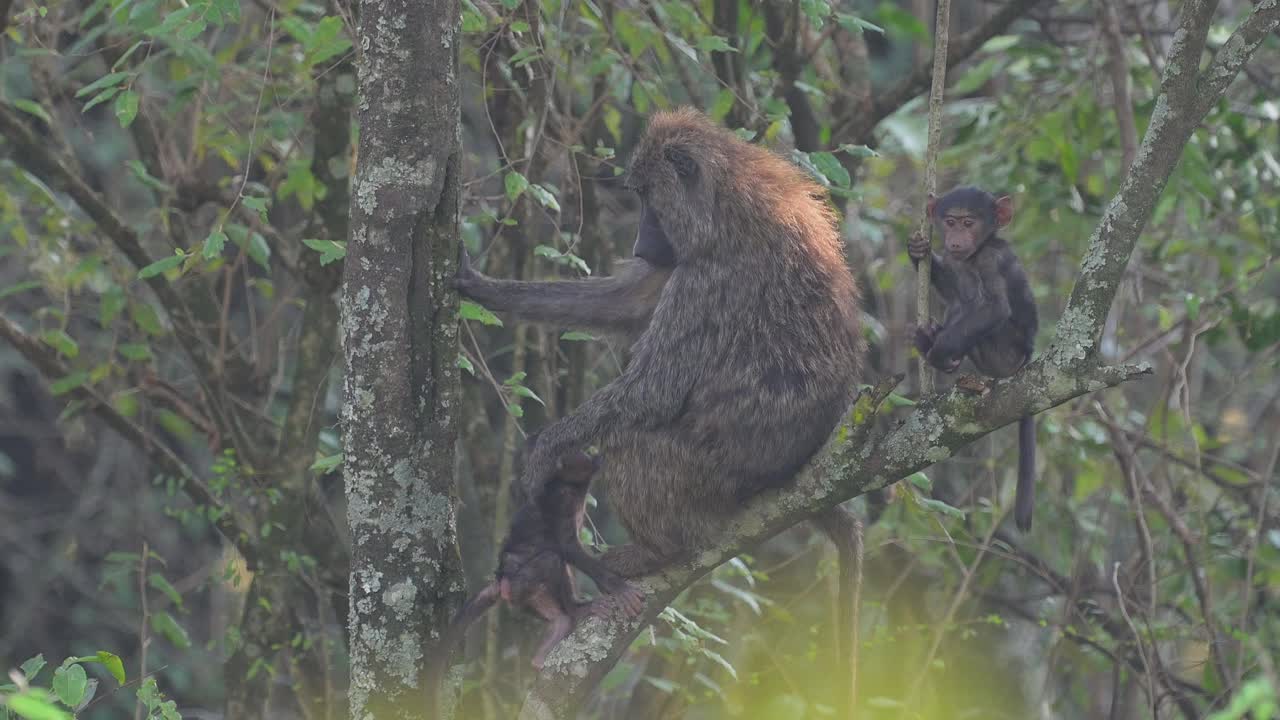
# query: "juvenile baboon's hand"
917,246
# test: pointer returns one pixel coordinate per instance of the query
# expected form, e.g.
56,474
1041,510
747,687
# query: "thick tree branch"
237,529
1233,56
862,459
1183,101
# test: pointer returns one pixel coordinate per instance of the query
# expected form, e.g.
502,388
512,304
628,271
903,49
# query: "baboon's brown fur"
747,348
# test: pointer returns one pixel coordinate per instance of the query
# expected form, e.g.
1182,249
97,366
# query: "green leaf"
101,97
715,43
921,481
940,507
140,171
524,56
213,244
327,41
128,54
522,391
69,684
464,363
999,44
576,335
32,667
20,287
114,78
146,318
32,108
562,258
329,250
1192,303
895,401
110,305
175,424
544,197
515,183
161,266
31,707
473,20
468,310
164,624
113,664
722,105
135,351
719,660
831,168
161,583
68,383
327,464
62,342
259,250
258,204
858,151
127,107
855,24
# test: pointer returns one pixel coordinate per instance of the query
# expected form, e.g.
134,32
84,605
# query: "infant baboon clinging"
533,568
746,349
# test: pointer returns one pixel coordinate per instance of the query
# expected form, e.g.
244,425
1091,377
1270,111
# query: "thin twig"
936,88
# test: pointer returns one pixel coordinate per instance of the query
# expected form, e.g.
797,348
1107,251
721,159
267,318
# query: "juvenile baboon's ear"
680,160
1004,210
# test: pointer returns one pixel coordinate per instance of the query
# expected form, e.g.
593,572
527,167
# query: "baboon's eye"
681,161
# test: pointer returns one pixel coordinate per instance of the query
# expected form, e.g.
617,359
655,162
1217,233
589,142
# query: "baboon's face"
672,171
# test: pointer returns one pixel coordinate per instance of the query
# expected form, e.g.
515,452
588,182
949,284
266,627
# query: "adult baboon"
746,349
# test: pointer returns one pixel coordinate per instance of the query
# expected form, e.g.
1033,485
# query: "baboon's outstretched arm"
621,303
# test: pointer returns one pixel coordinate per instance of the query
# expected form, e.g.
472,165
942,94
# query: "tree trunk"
400,343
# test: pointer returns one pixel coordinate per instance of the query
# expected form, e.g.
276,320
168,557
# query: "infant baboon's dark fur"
533,568
745,322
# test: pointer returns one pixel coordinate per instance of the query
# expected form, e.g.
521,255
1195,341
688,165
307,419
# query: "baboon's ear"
680,160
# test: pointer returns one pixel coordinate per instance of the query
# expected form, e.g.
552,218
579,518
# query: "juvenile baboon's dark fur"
746,350
991,313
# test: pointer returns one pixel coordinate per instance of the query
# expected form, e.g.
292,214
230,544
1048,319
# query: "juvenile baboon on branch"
991,314
745,323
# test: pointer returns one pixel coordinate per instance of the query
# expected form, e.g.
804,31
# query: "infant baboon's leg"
559,623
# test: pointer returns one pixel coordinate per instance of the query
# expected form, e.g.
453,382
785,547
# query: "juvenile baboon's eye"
680,160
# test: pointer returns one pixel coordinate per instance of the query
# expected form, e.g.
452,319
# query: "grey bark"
400,342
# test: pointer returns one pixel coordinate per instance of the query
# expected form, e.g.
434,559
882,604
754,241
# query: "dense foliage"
173,221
